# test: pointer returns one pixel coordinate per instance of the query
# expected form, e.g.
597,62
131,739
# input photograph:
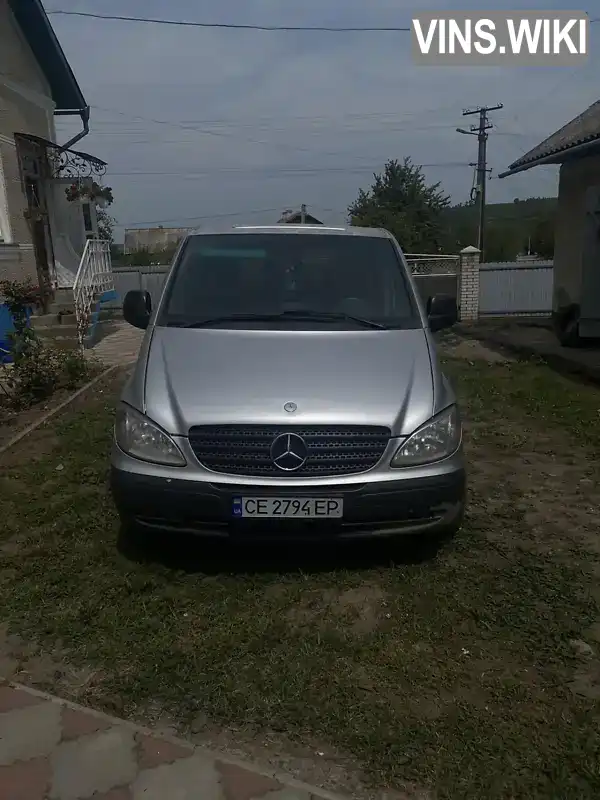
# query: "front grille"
246,450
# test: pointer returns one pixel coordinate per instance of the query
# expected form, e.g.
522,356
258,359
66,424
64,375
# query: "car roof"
349,230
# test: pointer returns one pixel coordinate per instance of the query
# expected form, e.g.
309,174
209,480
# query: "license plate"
288,507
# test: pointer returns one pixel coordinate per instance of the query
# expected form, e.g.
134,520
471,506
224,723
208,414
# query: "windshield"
283,279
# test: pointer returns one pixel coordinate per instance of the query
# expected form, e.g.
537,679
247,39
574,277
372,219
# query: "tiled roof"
584,128
40,36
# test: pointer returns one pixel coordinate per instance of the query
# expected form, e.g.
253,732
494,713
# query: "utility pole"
481,131
303,214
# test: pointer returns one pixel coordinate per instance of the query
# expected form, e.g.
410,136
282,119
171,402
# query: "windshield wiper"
326,316
206,323
300,315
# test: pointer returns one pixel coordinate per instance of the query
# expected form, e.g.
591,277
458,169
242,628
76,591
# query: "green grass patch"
452,672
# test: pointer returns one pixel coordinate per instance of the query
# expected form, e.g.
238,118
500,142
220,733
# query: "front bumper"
428,505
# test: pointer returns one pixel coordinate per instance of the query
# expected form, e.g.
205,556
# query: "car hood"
211,377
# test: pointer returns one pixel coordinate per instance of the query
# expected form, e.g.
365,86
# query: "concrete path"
120,347
54,750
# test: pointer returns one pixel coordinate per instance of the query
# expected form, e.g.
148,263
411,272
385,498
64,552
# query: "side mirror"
137,308
442,312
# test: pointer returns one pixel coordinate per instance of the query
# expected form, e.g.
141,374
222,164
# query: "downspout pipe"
85,118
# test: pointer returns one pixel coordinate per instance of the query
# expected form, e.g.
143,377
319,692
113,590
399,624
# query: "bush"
38,370
43,370
20,297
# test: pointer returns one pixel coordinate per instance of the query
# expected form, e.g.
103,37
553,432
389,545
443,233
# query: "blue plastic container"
7,326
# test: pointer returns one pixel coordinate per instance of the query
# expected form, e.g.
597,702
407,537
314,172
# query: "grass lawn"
473,673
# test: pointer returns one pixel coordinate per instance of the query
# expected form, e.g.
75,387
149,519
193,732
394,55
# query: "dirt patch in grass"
451,675
359,610
13,421
464,348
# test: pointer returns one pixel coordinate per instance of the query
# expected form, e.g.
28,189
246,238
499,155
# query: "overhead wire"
226,135
266,172
202,217
242,26
232,25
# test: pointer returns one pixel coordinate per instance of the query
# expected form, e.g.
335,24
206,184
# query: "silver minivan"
288,387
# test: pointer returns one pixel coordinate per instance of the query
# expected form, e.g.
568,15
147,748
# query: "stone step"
57,308
52,320
61,343
63,317
64,296
57,332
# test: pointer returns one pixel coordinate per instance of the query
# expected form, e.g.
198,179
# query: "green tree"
144,257
401,201
542,238
501,242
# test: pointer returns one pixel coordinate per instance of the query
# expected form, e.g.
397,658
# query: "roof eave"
553,158
37,30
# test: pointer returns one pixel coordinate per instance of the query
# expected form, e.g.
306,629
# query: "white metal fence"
427,264
434,274
515,288
150,279
505,288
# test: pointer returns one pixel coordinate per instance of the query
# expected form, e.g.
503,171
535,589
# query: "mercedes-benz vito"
288,386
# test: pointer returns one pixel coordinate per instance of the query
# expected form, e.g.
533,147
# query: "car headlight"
140,438
435,440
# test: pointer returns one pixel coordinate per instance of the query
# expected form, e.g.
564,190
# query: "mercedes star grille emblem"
288,452
290,407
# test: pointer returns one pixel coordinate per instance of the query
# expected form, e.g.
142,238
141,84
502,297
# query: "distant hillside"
511,228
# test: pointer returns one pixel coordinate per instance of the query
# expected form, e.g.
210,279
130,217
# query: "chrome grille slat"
245,449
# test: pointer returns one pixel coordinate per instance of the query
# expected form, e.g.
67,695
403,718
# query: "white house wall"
576,177
26,106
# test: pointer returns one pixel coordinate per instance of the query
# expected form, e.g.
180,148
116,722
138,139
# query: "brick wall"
468,283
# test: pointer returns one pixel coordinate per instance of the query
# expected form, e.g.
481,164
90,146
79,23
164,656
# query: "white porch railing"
94,276
430,264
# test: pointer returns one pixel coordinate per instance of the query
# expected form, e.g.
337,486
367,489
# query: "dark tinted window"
273,273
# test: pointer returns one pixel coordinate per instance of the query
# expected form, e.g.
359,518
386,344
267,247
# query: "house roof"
40,36
294,217
582,130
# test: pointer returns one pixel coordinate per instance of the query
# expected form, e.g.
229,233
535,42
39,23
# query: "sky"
212,127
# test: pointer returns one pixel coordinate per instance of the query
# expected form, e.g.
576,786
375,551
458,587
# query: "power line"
219,134
228,215
311,133
223,134
202,217
268,118
240,26
350,169
233,26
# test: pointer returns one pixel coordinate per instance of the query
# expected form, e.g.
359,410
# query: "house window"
87,220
